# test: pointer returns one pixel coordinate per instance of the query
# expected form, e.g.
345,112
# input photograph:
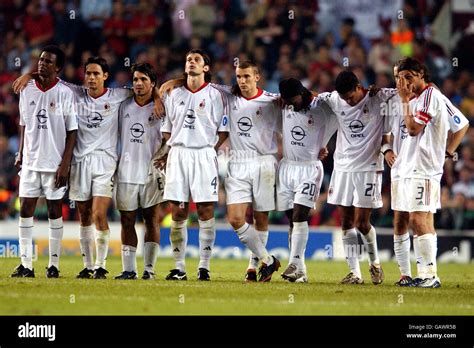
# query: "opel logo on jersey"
244,124
356,127
94,120
190,118
403,130
137,130
403,127
42,118
298,133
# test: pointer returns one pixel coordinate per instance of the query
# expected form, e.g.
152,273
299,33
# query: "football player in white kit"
401,239
95,159
358,164
139,183
308,123
421,159
255,119
195,125
48,127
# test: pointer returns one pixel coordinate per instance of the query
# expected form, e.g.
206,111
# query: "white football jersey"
254,124
47,116
140,140
457,121
194,118
307,131
98,120
423,156
360,130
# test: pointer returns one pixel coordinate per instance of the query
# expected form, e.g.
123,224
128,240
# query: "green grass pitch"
227,294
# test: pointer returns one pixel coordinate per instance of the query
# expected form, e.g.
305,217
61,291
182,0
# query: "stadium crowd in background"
309,40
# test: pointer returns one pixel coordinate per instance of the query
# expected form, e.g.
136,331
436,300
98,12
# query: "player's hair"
99,61
413,64
207,61
346,81
60,56
145,68
244,65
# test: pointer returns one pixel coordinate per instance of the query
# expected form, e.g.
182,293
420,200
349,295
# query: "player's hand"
390,158
160,163
61,176
405,89
20,83
169,85
373,90
280,102
158,109
18,161
323,153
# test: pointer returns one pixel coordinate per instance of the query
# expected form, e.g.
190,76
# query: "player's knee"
127,221
347,223
100,220
236,221
363,226
418,224
206,212
54,210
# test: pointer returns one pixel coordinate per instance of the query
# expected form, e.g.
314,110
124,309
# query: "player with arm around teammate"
195,125
139,183
307,123
48,127
358,163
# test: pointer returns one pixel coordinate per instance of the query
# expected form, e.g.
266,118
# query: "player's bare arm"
19,156
387,151
159,107
63,172
20,83
162,154
169,85
222,137
455,141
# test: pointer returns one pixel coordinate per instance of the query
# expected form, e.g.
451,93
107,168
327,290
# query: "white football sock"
401,246
351,250
86,239
299,239
25,231
251,240
101,247
179,240
370,242
420,262
55,237
428,249
207,236
253,262
129,258
150,253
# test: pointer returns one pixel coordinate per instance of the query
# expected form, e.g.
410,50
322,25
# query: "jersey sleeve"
123,93
426,107
457,120
70,112
166,125
76,89
222,112
22,108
